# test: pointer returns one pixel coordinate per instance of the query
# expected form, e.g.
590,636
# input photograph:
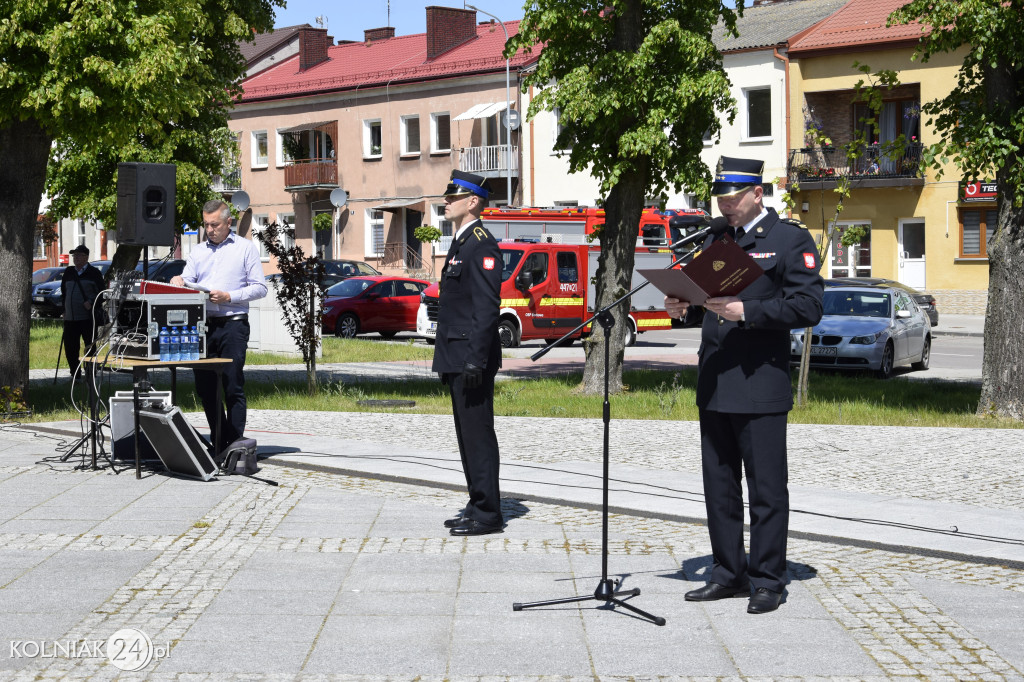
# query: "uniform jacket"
77,289
469,301
744,366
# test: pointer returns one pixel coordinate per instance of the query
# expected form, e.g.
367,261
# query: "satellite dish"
240,200
339,197
511,118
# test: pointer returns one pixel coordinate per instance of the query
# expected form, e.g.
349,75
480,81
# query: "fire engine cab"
548,264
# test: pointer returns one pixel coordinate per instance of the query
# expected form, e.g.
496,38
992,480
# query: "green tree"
100,75
981,129
637,83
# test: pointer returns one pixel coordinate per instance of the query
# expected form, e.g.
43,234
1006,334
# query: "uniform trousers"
756,444
473,409
225,338
73,331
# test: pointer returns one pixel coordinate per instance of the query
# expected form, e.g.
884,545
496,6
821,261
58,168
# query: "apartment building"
922,230
368,132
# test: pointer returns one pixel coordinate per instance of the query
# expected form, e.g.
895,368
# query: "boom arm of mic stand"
544,351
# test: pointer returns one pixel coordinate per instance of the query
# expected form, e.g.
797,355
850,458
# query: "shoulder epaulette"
480,233
794,221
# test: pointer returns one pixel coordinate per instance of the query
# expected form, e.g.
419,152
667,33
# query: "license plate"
823,350
432,327
37,299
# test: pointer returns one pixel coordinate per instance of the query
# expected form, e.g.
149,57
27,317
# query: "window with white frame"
286,221
374,232
259,223
38,245
372,140
758,110
446,226
440,132
260,152
410,135
79,232
556,130
283,156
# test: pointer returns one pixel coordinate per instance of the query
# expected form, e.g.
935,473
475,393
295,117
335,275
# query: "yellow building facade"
919,229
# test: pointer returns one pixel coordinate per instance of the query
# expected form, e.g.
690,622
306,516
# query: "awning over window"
303,126
399,204
481,111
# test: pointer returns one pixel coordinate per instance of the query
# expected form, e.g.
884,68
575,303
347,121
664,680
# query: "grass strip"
649,394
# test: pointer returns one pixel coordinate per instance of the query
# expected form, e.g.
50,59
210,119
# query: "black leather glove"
472,376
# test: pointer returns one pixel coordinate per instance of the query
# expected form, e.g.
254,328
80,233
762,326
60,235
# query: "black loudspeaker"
177,443
145,204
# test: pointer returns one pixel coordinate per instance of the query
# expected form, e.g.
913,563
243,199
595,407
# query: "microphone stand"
607,589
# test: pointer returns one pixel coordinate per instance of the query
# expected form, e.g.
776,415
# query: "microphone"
716,229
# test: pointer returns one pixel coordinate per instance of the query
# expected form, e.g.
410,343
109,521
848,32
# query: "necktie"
739,233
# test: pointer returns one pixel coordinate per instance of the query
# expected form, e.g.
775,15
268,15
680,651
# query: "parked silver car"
873,328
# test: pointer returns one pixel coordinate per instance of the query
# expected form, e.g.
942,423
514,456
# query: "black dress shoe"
764,601
713,591
474,527
454,521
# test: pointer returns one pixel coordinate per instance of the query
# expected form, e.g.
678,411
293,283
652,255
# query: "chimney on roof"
372,34
313,44
448,27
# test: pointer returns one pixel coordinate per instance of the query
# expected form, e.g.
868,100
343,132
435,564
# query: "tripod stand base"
605,592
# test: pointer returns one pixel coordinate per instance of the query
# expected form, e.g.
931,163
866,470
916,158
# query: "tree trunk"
613,279
1002,370
24,152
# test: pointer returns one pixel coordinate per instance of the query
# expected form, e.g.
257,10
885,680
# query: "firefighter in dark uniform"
467,351
744,392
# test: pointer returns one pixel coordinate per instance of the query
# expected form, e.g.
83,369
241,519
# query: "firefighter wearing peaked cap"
467,351
744,392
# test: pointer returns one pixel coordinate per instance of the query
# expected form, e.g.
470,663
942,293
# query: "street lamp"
508,109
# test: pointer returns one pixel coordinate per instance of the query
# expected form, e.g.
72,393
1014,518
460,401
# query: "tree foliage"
636,84
93,82
980,124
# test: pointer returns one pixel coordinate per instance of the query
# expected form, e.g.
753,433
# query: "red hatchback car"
360,305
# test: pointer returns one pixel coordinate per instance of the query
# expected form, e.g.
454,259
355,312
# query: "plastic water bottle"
165,345
175,344
193,344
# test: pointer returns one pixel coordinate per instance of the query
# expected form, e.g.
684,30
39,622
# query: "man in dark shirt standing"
744,392
79,286
467,352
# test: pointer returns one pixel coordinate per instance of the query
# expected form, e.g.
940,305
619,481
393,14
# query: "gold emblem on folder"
718,265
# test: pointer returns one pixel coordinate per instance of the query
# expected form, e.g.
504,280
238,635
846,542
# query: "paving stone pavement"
351,577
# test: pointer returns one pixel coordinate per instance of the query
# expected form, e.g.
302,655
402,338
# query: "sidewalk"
345,572
960,325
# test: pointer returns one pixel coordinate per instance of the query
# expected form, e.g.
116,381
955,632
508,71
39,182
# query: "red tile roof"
860,24
394,60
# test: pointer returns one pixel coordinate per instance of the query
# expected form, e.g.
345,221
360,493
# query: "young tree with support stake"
637,84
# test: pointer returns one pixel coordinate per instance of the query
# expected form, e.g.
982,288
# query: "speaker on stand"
145,205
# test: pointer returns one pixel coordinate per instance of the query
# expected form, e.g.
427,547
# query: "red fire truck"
547,267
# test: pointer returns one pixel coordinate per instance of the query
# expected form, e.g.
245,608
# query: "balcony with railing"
878,165
311,174
491,161
232,182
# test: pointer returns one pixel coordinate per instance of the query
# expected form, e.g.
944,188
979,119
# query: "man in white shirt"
229,267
